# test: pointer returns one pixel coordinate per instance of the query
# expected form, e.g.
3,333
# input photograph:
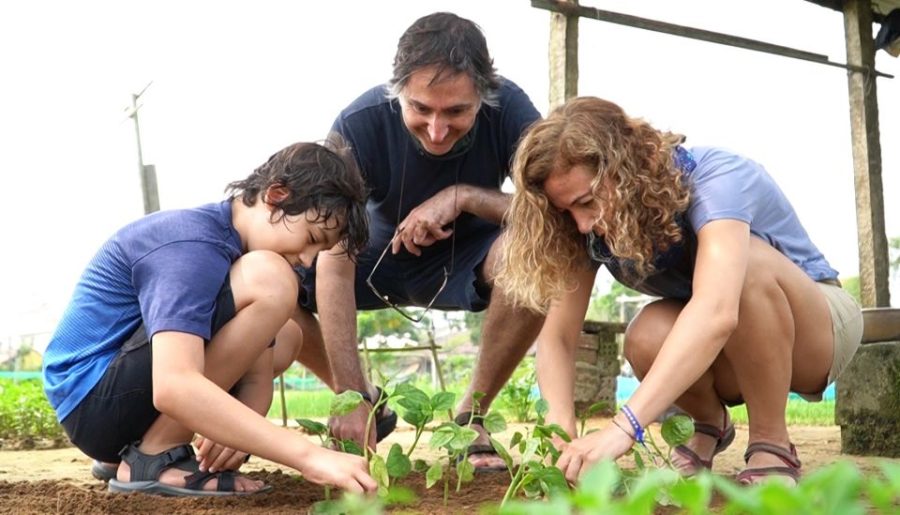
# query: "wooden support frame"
863,95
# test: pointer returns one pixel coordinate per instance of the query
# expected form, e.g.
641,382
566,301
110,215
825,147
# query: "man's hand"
425,224
353,426
215,457
345,471
579,455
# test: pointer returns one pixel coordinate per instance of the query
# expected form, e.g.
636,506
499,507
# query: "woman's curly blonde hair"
542,247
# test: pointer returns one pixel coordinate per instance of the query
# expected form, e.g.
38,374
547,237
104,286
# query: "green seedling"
537,475
592,410
516,395
455,440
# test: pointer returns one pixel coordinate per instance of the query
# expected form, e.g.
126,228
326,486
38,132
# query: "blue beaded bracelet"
635,425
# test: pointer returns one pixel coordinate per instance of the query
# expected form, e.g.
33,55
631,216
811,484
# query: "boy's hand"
345,471
215,457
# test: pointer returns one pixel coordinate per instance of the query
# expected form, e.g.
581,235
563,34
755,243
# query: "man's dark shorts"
409,280
119,410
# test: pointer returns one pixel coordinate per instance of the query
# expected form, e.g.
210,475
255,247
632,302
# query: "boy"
169,332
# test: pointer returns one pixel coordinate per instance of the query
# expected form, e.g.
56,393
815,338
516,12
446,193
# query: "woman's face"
569,190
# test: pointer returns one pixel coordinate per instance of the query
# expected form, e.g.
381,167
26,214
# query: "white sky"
234,82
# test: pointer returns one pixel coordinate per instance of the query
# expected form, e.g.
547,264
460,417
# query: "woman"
749,308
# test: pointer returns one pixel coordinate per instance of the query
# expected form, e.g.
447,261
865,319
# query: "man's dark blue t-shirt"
386,153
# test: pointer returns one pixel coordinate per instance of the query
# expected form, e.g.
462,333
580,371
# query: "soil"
59,480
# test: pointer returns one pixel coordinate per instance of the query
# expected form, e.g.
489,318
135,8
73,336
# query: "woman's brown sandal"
723,436
788,456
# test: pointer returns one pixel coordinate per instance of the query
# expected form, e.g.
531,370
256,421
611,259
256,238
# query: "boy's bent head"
322,181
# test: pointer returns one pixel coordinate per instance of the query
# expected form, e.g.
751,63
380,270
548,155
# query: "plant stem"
369,421
447,486
419,431
513,485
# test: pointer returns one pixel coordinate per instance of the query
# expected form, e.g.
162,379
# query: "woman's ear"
276,194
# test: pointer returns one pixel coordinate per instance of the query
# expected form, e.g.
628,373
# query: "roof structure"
880,8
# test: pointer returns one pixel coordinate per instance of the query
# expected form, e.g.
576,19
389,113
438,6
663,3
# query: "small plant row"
25,411
537,486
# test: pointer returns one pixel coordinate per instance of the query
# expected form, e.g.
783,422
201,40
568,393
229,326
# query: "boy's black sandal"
146,469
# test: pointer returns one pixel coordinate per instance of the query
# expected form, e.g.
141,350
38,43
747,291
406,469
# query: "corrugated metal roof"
880,8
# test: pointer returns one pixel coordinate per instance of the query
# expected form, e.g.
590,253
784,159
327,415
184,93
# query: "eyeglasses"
399,309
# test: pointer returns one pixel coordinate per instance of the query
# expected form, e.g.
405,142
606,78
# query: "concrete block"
868,401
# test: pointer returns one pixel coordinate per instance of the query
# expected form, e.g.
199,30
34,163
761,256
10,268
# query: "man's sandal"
463,419
723,436
385,419
789,456
146,469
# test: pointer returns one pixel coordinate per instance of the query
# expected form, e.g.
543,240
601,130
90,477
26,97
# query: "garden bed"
58,481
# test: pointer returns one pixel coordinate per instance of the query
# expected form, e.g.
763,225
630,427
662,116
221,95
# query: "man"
434,148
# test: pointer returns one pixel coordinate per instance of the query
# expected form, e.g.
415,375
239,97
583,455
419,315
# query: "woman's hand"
579,455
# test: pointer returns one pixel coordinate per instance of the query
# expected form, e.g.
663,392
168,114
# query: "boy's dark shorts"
119,410
409,280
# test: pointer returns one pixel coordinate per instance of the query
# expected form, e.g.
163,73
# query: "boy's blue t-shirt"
724,185
164,270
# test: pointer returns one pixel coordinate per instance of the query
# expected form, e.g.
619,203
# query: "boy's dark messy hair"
321,178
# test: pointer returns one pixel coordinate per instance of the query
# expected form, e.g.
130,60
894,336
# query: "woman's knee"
647,332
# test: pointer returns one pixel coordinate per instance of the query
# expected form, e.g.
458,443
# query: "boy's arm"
181,391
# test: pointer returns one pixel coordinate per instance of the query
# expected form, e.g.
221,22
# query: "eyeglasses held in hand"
400,309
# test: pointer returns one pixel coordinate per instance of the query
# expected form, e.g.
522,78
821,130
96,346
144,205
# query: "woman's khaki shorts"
847,326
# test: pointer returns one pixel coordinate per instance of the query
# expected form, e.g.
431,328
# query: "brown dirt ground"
59,480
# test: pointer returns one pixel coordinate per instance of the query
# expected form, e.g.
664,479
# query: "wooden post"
873,252
563,57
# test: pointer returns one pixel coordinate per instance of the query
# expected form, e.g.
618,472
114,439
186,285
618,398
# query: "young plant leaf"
502,452
462,439
596,487
399,496
494,422
312,427
516,438
677,430
434,474
595,408
693,494
351,447
417,417
398,464
378,471
345,402
541,407
465,470
442,436
556,429
443,401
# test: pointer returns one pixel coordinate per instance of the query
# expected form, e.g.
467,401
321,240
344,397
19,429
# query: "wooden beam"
563,57
573,10
873,249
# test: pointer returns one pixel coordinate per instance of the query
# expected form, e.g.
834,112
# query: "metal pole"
147,173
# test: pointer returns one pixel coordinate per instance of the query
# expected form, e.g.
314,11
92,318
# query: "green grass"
302,404
799,413
316,404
